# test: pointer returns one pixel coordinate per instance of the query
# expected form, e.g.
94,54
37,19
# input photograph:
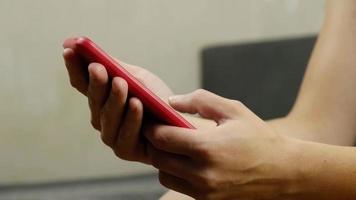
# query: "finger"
177,165
69,43
77,71
130,68
139,73
97,91
171,194
206,104
112,111
129,144
177,184
173,139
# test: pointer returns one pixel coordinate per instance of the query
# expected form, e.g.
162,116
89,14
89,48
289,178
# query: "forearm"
327,172
325,110
309,130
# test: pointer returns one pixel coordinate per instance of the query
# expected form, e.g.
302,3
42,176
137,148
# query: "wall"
44,124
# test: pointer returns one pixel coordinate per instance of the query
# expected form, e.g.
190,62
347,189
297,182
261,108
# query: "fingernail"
175,98
66,50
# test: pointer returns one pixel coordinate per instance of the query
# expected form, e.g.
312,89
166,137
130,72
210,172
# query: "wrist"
303,168
300,167
316,170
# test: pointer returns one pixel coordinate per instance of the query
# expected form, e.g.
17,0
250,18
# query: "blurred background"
44,124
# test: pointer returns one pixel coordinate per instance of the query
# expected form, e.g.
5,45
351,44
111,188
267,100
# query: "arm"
325,110
328,171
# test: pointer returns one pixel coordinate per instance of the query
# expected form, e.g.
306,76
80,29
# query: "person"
233,154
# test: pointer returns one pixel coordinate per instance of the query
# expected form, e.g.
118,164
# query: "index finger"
69,43
77,70
173,139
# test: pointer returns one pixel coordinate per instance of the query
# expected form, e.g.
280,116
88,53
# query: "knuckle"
106,140
200,93
238,105
209,179
95,124
74,83
160,140
155,162
204,151
124,153
163,180
120,153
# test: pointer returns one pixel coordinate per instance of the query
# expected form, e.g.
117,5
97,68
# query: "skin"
118,118
301,156
325,110
246,158
224,162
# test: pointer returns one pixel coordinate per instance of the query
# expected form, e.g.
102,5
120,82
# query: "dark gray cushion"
265,76
140,187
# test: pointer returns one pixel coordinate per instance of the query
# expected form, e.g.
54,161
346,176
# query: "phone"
91,52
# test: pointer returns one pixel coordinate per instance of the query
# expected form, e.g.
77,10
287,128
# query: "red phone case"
93,53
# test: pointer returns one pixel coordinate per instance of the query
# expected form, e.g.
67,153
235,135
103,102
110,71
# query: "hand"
241,158
117,117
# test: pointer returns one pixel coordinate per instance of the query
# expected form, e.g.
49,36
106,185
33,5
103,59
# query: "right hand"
117,117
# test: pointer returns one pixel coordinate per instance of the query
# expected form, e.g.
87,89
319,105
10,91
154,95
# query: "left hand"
118,117
241,158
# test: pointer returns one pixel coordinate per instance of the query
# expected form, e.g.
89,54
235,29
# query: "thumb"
207,105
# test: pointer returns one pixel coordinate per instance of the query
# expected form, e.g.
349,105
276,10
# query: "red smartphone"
151,102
